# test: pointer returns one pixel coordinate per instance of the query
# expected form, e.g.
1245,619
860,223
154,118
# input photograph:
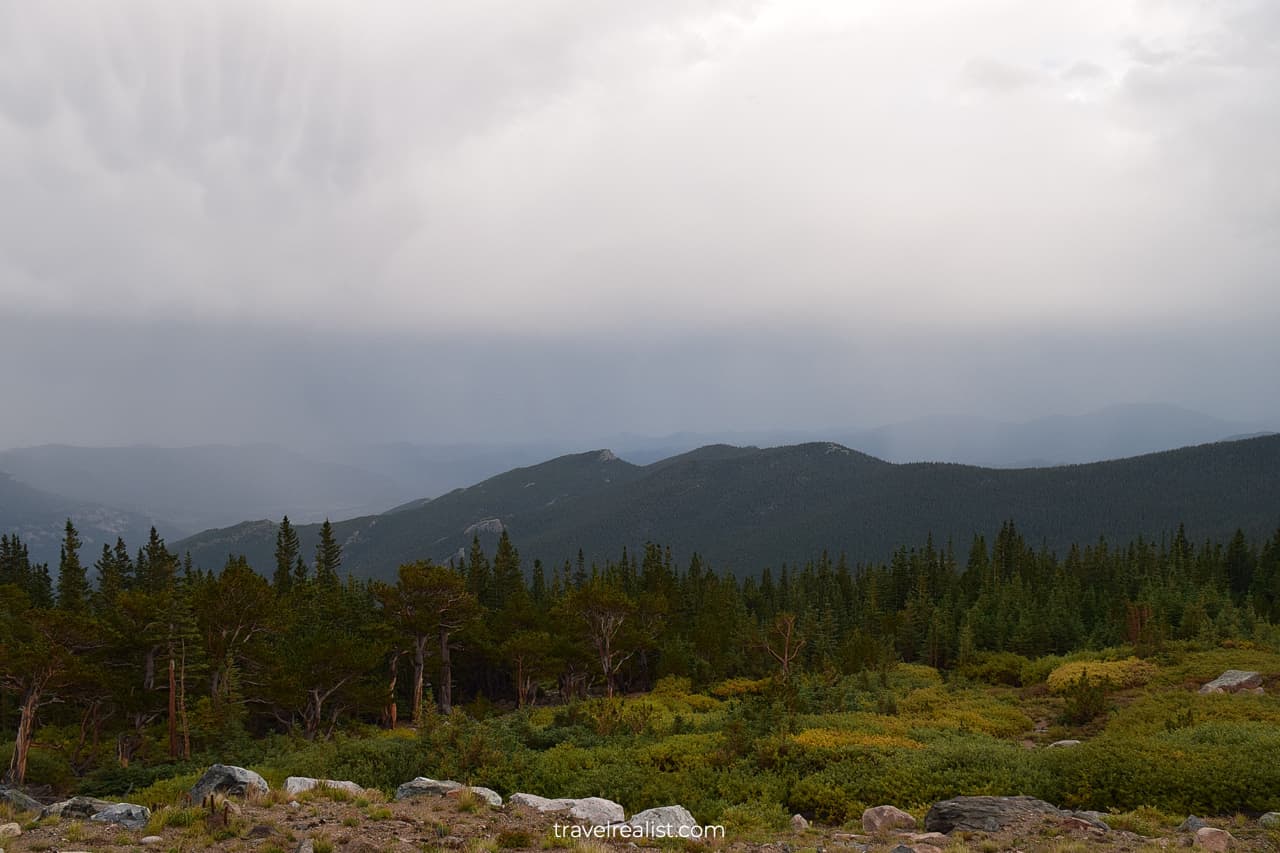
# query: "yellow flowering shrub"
1129,672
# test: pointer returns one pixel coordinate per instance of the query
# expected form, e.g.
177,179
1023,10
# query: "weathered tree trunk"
419,664
173,706
182,704
17,772
391,713
446,674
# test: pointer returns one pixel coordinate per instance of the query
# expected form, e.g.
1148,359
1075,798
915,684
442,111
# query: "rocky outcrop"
663,822
880,819
986,814
490,796
128,815
19,800
596,811
1233,681
295,785
424,787
230,780
1270,820
1215,840
76,808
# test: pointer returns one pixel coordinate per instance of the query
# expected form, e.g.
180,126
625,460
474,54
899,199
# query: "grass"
379,813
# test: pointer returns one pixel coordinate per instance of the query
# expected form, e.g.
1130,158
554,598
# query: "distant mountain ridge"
745,508
38,518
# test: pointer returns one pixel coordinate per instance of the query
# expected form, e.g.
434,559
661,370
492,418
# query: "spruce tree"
73,586
288,550
328,556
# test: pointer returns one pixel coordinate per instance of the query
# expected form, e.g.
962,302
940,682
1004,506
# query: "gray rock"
19,800
663,822
490,796
307,846
1098,819
76,808
295,785
596,811
150,840
985,814
884,818
1057,744
424,787
798,823
1233,681
128,815
1191,824
230,780
9,830
1270,820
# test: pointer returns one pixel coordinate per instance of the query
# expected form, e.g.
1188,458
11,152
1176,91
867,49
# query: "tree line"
145,657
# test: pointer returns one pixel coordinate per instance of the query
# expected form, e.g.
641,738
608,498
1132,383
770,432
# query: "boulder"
985,814
9,830
880,819
1098,819
295,785
19,800
798,823
596,811
305,846
1270,820
664,822
1215,840
1057,744
489,795
128,815
1233,681
1191,824
76,808
424,787
229,780
150,840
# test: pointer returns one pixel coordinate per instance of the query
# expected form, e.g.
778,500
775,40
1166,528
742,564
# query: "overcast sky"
498,219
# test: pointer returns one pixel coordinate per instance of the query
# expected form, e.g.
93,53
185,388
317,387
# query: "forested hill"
746,508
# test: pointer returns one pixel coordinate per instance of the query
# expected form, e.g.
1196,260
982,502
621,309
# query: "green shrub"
996,668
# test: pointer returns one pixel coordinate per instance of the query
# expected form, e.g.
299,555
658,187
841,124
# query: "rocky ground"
329,820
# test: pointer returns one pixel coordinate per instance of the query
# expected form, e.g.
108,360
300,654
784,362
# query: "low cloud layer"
492,218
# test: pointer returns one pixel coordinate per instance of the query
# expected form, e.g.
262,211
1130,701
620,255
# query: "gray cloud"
533,202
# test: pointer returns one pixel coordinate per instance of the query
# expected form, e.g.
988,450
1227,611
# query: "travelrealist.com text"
622,830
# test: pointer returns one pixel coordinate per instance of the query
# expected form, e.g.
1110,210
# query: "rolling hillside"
745,508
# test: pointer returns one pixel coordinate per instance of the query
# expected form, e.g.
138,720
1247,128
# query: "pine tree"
73,586
328,556
288,551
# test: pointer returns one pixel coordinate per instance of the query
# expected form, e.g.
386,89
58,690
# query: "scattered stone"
489,795
424,787
307,846
596,811
1098,819
19,800
128,815
149,840
663,822
1191,824
1216,840
880,819
227,779
985,814
1270,820
1080,823
9,830
76,808
927,848
798,823
295,785
927,838
1061,743
260,831
1233,681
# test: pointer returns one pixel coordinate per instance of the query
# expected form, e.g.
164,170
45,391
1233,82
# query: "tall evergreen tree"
73,585
328,556
288,551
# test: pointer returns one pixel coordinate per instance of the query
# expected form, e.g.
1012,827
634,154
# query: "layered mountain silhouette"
744,508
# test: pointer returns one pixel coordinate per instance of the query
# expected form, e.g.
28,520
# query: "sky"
226,221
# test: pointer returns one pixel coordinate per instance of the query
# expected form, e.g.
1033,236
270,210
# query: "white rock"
799,823
883,818
295,785
1233,680
489,795
423,787
1058,744
593,810
148,840
10,830
663,822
